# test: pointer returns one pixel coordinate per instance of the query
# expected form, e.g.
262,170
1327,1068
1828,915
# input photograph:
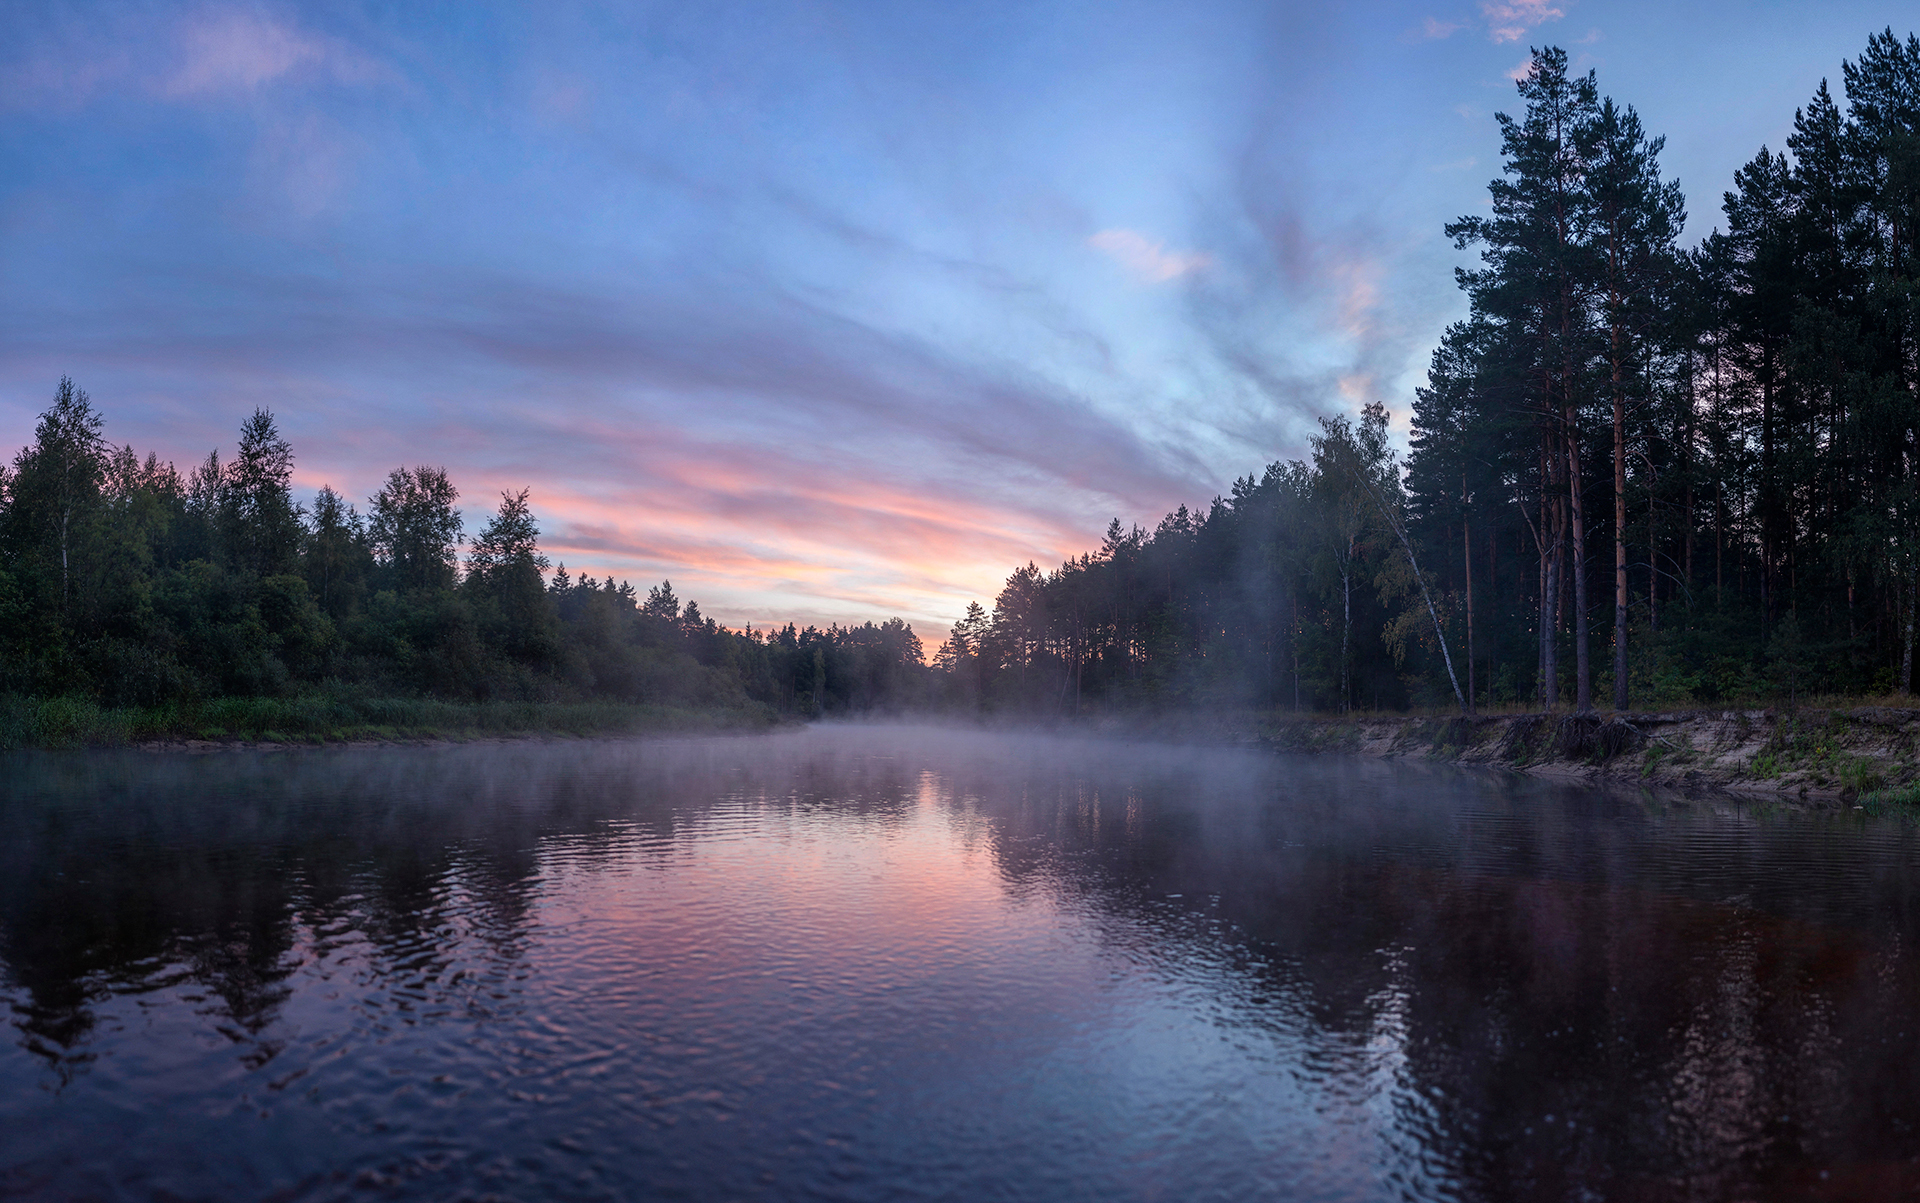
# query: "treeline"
1639,472
1294,591
128,583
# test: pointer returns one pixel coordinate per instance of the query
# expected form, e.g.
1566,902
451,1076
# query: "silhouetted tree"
415,529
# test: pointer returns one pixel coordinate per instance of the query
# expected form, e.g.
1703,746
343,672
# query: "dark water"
900,965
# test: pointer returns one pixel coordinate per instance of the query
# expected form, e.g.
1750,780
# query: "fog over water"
888,962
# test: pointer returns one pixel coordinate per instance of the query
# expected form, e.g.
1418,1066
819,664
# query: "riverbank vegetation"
1859,756
344,716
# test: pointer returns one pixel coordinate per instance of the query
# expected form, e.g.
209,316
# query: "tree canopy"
122,580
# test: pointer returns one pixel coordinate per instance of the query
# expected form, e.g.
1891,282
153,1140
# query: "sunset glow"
826,313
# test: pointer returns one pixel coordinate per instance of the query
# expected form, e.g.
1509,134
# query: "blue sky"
824,311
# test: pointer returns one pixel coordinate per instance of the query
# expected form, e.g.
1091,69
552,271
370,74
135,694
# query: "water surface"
888,963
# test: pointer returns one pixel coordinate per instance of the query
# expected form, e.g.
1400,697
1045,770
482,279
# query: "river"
900,963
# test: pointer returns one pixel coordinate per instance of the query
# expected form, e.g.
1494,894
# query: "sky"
826,312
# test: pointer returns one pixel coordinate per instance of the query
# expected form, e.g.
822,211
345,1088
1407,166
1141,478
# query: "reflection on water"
884,963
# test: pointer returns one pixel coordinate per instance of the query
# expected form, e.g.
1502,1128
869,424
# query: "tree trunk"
1653,568
1550,617
1406,545
1493,580
1466,544
1620,525
1769,527
1906,660
1346,628
1719,540
1549,687
1686,563
1294,641
1582,680
1079,662
1686,465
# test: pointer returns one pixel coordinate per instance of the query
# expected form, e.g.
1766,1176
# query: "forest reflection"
1506,988
1577,988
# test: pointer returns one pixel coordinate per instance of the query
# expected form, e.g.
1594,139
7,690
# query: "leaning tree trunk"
1439,634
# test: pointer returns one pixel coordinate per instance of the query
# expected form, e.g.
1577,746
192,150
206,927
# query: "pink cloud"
1149,260
1358,280
692,450
239,51
766,534
214,52
1509,20
1435,28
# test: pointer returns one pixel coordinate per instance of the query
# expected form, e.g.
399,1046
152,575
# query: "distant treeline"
1707,461
127,583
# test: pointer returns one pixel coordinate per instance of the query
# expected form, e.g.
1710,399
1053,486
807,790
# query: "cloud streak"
239,50
1145,258
1510,20
758,433
179,56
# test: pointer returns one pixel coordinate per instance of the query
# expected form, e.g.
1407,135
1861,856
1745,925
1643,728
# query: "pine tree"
1637,217
1536,286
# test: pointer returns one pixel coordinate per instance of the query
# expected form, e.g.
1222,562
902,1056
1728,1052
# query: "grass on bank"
1900,799
70,722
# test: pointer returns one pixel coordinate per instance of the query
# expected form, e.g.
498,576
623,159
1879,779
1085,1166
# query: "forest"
1639,474
125,582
